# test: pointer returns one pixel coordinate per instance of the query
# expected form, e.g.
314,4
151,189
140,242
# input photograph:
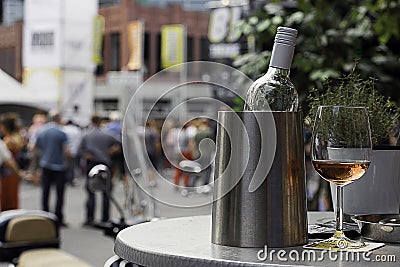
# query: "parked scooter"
100,178
30,238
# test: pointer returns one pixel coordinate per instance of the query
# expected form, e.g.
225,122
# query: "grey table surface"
186,241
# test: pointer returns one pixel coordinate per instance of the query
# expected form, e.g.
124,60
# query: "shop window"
115,52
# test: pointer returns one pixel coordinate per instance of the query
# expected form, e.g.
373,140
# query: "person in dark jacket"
97,147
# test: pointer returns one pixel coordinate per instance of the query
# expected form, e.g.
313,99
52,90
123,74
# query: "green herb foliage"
352,90
331,36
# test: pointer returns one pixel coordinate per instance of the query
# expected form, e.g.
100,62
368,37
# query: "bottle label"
282,55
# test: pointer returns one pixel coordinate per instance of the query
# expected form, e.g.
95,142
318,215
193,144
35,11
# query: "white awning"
13,92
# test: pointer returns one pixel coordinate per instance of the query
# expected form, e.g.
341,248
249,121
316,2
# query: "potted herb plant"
377,192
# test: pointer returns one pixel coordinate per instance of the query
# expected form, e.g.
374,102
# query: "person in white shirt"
74,134
6,158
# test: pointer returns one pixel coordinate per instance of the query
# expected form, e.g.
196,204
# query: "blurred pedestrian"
74,134
192,128
184,152
169,137
7,159
114,126
203,153
38,122
9,181
153,143
52,148
97,147
119,168
6,162
153,148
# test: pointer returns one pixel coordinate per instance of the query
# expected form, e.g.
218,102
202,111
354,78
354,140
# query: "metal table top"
186,241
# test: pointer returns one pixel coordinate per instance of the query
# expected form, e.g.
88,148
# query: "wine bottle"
274,91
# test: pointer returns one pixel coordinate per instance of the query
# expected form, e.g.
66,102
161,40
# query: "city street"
90,244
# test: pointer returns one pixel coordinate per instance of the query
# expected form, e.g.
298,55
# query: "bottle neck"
282,55
275,70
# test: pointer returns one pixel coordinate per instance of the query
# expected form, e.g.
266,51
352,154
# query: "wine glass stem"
339,208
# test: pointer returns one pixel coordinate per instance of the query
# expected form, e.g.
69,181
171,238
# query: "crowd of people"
193,141
54,153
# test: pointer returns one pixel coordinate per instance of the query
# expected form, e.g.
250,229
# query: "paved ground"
91,244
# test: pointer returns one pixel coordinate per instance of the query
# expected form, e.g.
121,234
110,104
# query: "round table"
186,241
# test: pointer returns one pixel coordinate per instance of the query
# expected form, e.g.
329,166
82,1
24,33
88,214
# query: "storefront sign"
222,35
98,32
135,38
173,45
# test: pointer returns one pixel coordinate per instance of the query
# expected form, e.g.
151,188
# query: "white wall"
58,38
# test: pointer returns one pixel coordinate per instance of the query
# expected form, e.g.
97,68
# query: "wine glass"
341,154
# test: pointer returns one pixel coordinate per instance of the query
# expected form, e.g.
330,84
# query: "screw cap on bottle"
282,52
286,35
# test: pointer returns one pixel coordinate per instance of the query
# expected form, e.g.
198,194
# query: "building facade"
108,94
117,17
11,49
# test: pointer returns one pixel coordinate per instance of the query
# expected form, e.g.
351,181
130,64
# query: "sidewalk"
90,244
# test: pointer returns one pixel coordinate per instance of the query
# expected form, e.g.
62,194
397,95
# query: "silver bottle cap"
286,36
282,53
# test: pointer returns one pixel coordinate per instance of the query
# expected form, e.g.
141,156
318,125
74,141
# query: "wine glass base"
339,242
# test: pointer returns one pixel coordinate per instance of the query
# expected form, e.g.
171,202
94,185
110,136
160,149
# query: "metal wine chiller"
259,181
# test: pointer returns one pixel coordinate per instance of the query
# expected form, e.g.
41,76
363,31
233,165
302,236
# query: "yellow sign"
135,38
98,32
173,45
